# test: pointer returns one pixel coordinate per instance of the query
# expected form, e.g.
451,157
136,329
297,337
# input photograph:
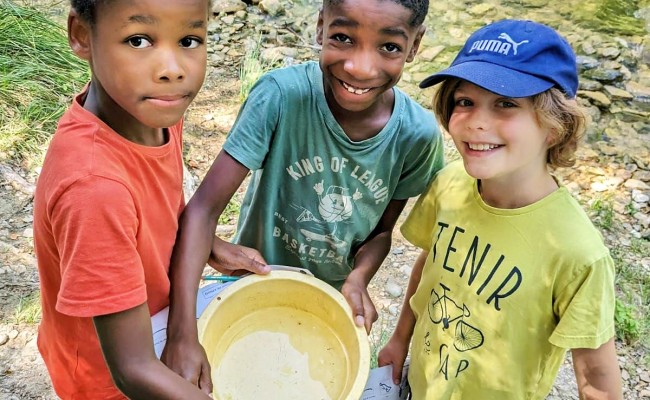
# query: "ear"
416,43
319,28
79,35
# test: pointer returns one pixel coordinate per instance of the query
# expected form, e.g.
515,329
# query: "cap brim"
495,78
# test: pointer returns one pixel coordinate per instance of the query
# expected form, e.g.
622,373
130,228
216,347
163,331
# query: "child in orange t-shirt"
108,199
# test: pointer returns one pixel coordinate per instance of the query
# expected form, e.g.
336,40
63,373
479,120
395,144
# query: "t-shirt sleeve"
585,307
95,224
250,138
419,225
425,159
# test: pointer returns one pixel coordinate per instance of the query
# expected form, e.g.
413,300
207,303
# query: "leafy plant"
632,313
627,325
38,76
603,211
630,208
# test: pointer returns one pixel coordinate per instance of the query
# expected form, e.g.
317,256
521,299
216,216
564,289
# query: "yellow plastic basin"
283,336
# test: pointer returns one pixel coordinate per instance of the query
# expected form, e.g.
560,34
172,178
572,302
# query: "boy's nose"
170,66
478,120
361,65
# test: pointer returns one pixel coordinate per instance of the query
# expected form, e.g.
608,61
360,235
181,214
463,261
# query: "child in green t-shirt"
335,151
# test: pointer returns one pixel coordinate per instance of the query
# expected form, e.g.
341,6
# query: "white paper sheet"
380,384
159,320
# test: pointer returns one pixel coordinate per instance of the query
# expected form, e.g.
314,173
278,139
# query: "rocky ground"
611,179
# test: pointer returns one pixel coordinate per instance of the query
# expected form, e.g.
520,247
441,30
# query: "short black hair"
85,9
419,8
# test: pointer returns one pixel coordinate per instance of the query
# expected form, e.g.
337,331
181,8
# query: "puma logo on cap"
497,46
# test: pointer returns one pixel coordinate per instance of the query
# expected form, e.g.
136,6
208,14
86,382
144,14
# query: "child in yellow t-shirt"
512,272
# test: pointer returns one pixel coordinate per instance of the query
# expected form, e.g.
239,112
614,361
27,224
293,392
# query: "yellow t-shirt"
504,292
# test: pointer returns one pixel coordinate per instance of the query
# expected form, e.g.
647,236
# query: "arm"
366,263
397,347
194,244
597,372
126,341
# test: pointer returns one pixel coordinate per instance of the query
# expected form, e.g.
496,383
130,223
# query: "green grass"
252,67
602,213
38,76
378,338
632,313
28,310
230,213
628,327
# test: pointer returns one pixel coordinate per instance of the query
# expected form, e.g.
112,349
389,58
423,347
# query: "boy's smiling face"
148,58
365,45
499,138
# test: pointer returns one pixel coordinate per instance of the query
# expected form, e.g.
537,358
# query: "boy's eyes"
138,42
190,42
391,48
388,47
141,42
507,104
339,37
501,103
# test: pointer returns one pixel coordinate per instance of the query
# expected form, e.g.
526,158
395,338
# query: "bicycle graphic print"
444,310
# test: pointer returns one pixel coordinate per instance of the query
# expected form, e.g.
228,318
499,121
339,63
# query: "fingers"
355,301
397,372
371,315
232,259
205,380
257,265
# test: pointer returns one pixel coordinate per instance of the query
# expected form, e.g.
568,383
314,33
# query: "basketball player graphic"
334,205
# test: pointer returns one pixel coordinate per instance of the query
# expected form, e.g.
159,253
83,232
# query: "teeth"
482,146
354,90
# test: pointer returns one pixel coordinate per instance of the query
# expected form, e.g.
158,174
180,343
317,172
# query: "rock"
603,75
4,338
588,84
639,92
640,197
13,334
636,184
617,94
394,309
642,175
609,52
597,98
480,9
430,53
393,289
585,63
272,7
227,6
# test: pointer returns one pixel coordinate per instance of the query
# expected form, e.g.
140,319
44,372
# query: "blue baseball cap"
514,58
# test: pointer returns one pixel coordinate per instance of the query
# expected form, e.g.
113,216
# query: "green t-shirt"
315,195
504,292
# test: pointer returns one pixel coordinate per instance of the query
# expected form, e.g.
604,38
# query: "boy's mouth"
482,146
354,89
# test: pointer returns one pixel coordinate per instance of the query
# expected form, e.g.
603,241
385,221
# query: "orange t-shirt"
105,220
